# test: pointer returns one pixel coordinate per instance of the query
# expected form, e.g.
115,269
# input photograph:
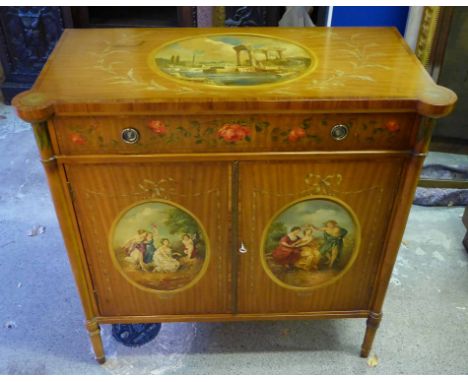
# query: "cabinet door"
155,236
314,231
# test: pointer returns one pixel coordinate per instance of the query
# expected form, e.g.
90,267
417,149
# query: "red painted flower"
296,133
392,126
233,132
157,127
77,139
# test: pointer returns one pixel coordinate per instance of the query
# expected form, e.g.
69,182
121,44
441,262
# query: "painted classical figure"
149,248
286,253
163,260
309,258
333,235
135,249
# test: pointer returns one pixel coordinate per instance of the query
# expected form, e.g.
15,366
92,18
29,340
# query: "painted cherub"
189,249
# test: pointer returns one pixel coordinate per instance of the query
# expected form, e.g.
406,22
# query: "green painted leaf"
260,125
209,130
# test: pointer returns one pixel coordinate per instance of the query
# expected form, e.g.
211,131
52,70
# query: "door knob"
130,135
339,132
242,248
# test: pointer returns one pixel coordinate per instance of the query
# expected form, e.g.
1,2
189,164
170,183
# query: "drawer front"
234,133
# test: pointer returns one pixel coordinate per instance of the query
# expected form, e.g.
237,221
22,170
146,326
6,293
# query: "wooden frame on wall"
432,38
430,48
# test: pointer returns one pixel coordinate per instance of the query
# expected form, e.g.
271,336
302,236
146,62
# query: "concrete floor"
424,330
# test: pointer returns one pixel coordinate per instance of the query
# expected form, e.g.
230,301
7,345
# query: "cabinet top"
99,71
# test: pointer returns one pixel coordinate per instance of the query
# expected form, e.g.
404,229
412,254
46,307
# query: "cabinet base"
373,321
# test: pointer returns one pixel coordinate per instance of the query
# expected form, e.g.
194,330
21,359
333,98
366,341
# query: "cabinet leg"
373,322
95,335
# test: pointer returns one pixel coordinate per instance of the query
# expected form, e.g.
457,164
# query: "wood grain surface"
109,71
103,191
368,187
233,157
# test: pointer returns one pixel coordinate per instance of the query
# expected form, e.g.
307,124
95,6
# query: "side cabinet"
219,175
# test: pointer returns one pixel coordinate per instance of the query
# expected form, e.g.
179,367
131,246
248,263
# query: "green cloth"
332,242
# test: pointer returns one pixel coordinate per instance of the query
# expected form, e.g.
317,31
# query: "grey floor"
424,330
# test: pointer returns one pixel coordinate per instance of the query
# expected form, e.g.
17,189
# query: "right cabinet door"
314,232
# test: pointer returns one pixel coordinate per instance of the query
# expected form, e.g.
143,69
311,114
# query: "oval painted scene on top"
310,243
159,246
232,60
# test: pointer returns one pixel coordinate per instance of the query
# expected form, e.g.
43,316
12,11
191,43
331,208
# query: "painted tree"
179,222
276,231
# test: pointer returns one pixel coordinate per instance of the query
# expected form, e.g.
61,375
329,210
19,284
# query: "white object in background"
296,17
329,16
413,24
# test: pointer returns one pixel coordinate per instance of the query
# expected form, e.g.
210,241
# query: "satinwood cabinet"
219,175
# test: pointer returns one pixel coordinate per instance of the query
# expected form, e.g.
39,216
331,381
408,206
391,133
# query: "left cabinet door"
155,235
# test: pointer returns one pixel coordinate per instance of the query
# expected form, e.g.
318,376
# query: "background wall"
370,16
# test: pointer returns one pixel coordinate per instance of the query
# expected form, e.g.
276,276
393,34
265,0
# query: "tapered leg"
373,322
95,335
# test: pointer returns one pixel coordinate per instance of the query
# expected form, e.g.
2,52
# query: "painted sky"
220,48
316,212
142,217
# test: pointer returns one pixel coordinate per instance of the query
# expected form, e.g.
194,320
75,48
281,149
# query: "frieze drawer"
227,133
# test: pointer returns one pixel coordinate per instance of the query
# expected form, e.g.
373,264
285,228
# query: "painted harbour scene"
233,60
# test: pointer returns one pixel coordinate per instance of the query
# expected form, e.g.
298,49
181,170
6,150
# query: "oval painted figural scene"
310,243
159,246
233,60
